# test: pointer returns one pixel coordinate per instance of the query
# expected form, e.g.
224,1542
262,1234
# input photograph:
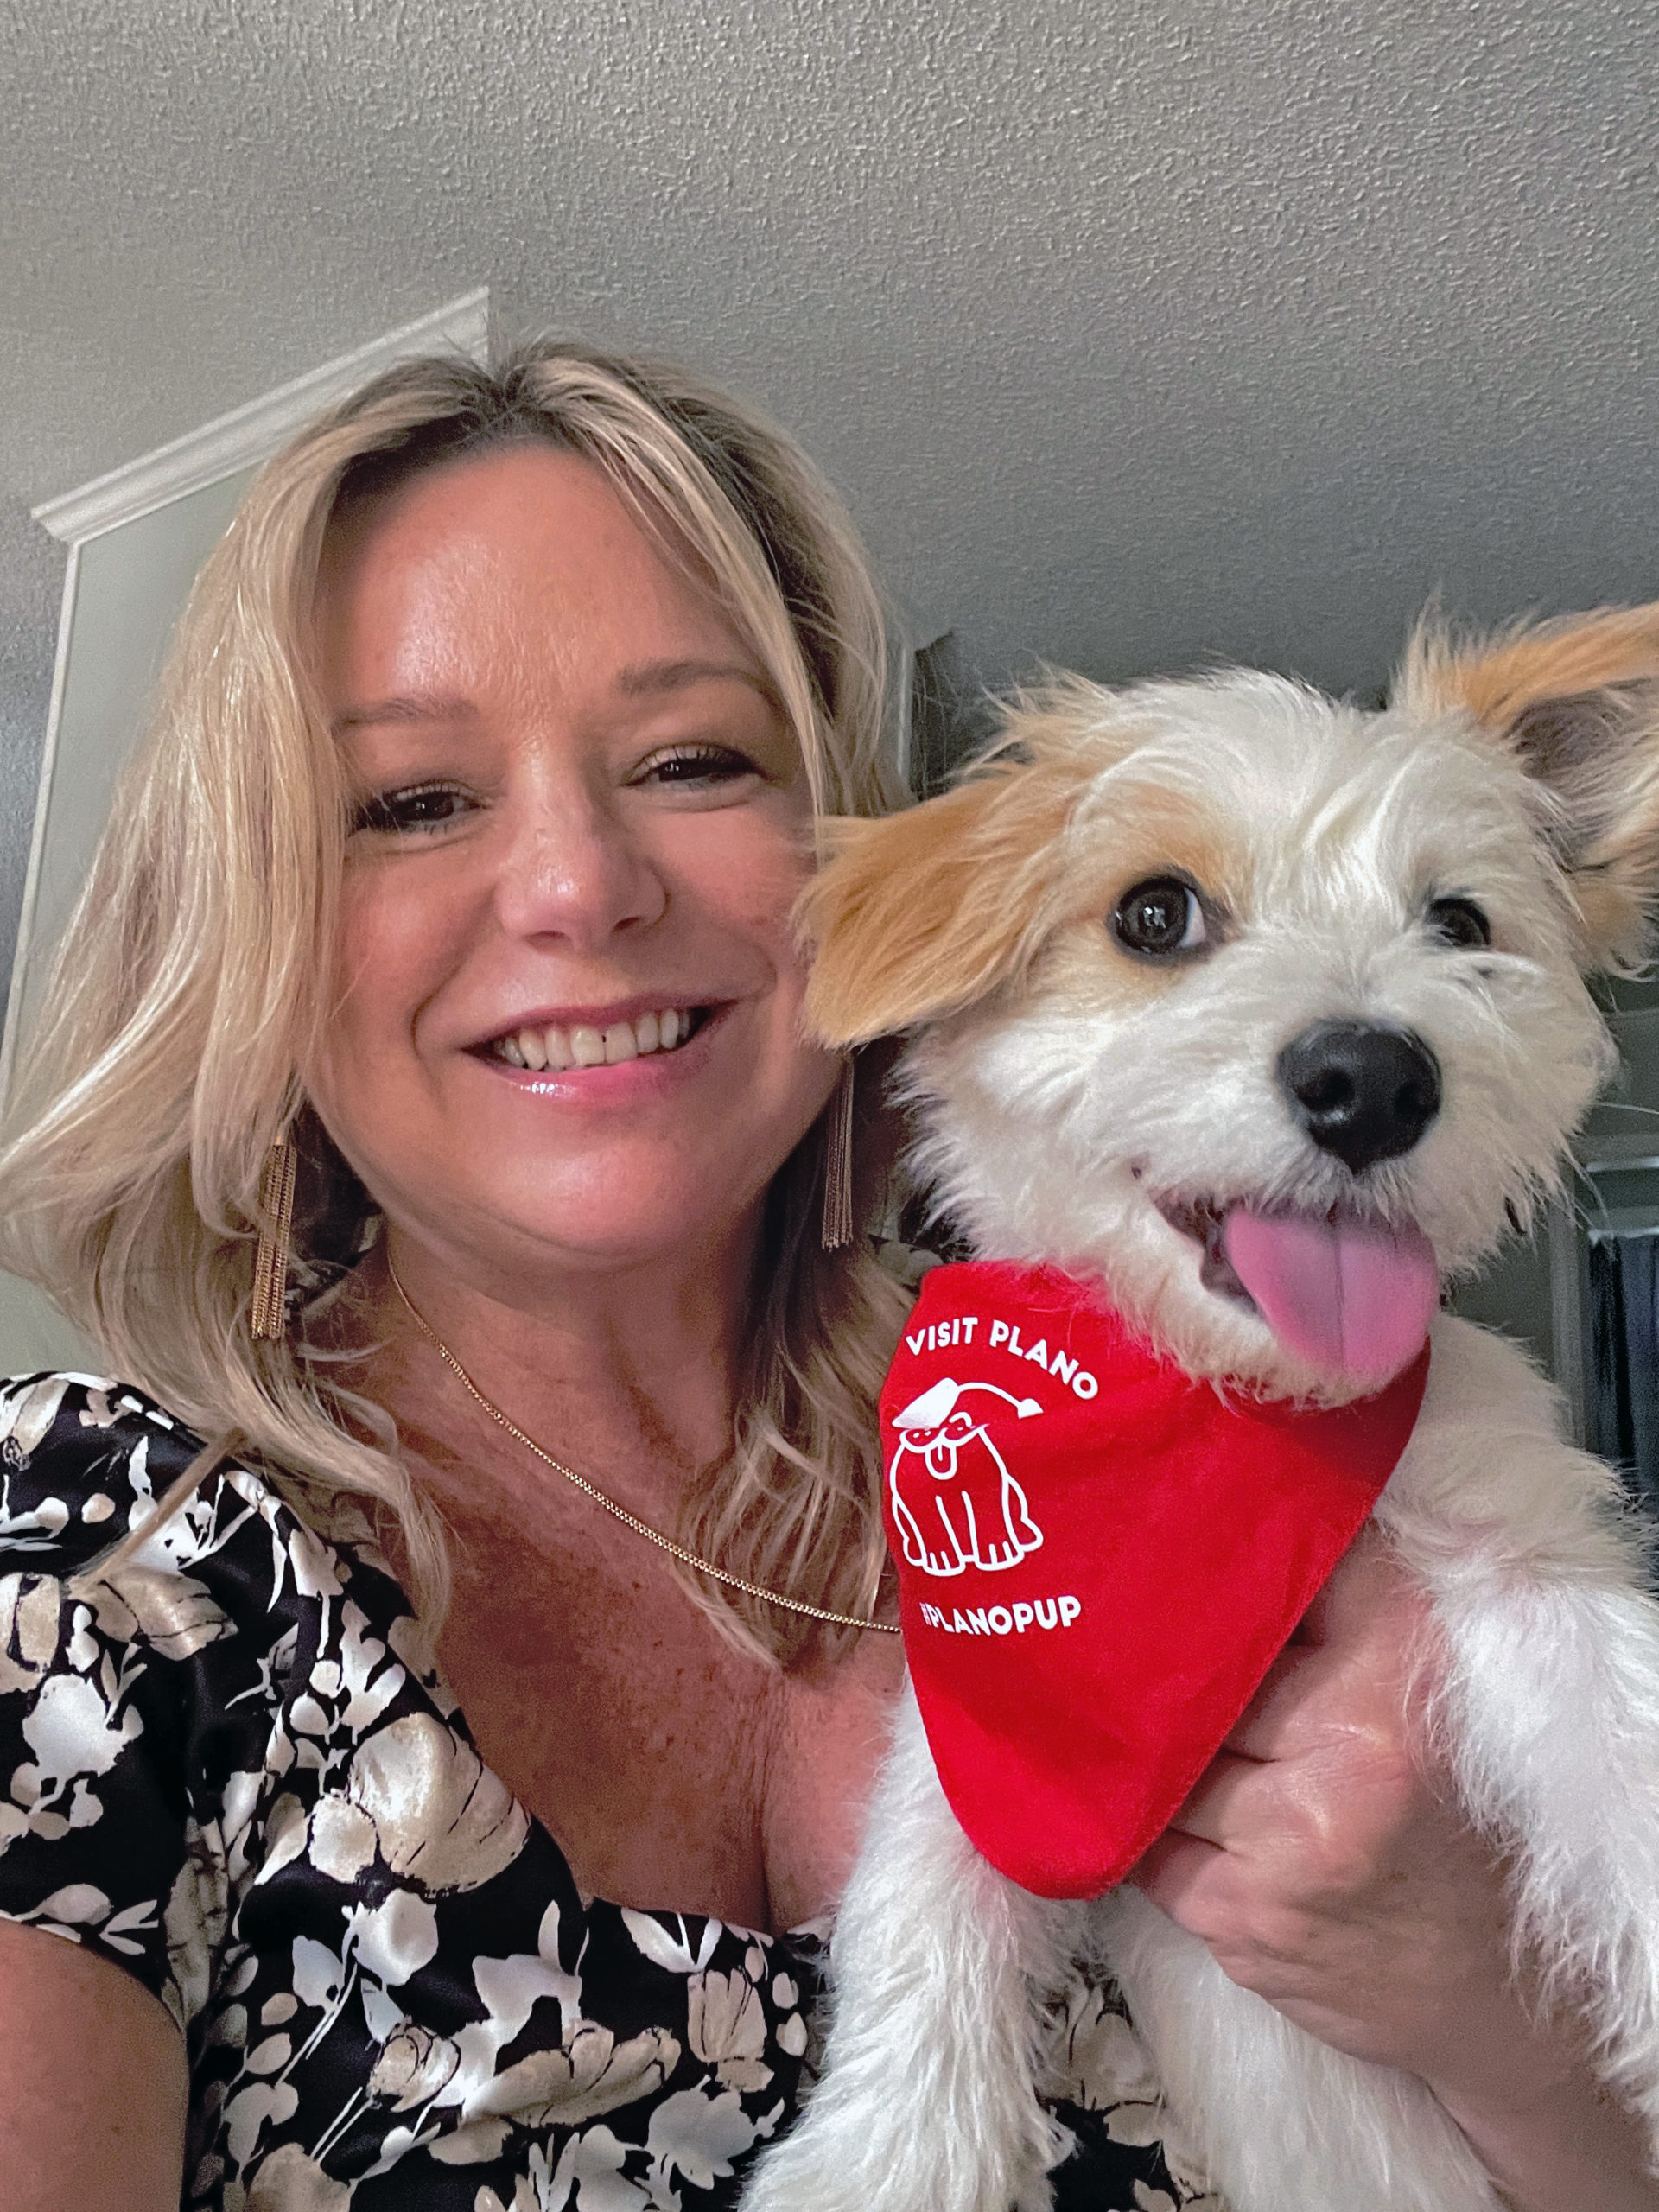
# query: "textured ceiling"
1134,333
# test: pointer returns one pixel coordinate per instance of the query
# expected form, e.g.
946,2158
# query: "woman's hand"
1326,1870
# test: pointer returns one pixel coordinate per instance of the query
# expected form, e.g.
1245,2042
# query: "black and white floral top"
220,1770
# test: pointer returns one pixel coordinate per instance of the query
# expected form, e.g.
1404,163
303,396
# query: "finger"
1281,1720
1176,1873
1365,1681
1367,1585
1314,1699
1343,1590
1225,1804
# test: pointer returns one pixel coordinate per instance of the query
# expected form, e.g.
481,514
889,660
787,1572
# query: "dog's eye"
1160,917
1460,922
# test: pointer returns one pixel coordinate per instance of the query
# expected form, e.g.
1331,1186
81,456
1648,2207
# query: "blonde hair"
185,994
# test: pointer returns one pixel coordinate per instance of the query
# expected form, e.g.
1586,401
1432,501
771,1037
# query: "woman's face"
566,999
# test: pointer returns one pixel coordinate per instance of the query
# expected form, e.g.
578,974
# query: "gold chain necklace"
620,1512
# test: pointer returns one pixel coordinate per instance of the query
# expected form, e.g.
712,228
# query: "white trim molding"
253,432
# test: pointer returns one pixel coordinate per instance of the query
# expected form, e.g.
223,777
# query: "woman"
454,888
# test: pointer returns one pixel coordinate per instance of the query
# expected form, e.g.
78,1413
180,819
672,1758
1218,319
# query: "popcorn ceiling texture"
1134,331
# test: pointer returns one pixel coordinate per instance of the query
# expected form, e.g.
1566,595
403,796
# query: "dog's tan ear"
922,912
1577,702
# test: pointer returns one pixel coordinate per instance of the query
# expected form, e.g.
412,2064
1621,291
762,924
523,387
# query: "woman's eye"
1460,922
418,806
695,766
1160,918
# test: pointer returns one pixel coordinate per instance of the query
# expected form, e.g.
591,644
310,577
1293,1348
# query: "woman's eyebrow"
409,706
647,676
641,679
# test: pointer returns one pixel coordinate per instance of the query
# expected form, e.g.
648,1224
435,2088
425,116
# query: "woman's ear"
921,914
1576,702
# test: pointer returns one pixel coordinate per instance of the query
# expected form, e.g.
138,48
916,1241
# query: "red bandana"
1098,1558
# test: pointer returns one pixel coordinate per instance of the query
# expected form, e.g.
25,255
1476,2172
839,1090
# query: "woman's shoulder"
87,1462
80,1457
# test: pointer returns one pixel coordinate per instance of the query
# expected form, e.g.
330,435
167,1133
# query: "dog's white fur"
1063,1090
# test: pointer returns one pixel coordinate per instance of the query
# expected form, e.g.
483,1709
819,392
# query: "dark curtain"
1623,1408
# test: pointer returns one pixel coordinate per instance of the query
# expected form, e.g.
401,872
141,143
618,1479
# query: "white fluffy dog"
1120,939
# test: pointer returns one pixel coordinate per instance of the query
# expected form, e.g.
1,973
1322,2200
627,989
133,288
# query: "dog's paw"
803,2177
793,2178
1037,2196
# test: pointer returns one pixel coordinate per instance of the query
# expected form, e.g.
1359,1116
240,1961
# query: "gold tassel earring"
838,1164
267,1316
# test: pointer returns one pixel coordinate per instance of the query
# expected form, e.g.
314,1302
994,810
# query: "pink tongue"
1346,1295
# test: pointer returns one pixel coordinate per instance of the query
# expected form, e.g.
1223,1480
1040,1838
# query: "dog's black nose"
1361,1091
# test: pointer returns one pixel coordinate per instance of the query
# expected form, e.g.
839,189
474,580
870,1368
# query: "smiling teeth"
583,1046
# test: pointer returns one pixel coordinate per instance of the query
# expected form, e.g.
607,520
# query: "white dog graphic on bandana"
965,1509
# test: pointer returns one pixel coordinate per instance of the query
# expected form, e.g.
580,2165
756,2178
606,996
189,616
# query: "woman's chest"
674,1771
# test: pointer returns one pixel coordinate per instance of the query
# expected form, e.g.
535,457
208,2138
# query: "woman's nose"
572,870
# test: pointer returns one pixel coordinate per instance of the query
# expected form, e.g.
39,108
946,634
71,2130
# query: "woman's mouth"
556,1046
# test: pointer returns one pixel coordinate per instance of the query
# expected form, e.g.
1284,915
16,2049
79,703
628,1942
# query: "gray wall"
129,586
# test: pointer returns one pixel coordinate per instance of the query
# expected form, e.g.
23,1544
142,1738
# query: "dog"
1176,960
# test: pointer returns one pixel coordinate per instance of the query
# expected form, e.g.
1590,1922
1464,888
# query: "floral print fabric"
220,1769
